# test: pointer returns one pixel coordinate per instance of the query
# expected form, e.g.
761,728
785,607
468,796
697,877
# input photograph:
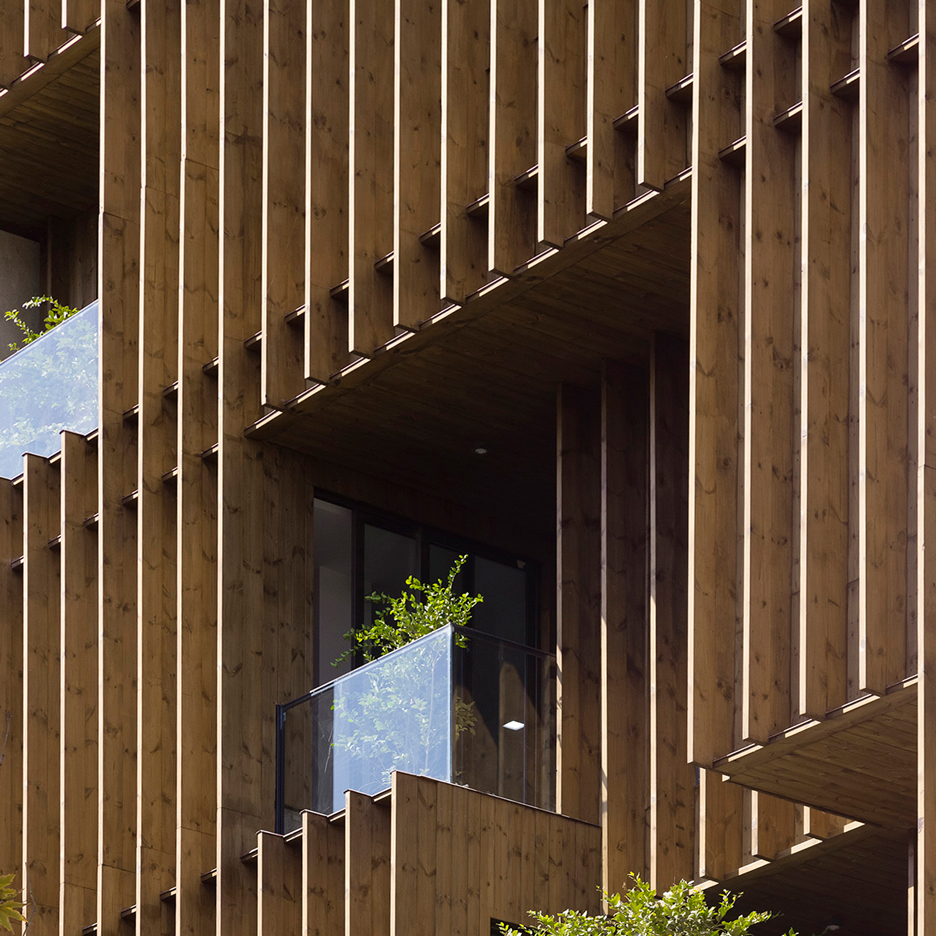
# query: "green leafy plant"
56,314
680,911
399,715
420,610
10,903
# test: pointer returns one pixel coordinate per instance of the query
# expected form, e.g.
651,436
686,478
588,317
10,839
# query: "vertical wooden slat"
326,209
446,857
512,135
416,159
196,485
283,286
279,895
241,752
713,389
672,778
465,125
322,876
924,842
773,826
560,117
11,677
625,739
43,32
404,849
78,15
611,91
118,292
826,227
367,881
13,61
41,691
578,559
768,388
423,920
78,820
661,62
370,213
883,372
719,824
156,506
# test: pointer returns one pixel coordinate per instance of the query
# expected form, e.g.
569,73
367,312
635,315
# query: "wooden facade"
638,290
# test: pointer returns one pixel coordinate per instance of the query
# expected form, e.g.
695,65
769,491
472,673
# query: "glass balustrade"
49,385
456,705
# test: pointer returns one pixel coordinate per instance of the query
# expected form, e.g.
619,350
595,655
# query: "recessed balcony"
49,385
456,705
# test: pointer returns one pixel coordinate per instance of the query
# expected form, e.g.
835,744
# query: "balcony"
47,386
456,705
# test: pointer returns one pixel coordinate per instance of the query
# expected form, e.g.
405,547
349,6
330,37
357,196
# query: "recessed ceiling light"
513,725
480,450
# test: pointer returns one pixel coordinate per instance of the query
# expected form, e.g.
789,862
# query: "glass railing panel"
505,720
49,385
456,705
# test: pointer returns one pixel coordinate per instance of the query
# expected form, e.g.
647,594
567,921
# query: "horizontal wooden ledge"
734,152
131,499
479,207
384,264
211,368
17,564
341,291
254,341
170,476
210,877
790,120
432,237
55,542
92,521
578,149
132,415
172,391
528,179
791,25
129,913
168,895
681,92
736,57
210,453
809,730
907,52
89,930
848,86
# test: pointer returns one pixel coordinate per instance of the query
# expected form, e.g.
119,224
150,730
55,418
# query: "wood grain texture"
578,558
78,723
625,717
11,667
41,690
416,159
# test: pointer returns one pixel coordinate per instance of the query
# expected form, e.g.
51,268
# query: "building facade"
628,302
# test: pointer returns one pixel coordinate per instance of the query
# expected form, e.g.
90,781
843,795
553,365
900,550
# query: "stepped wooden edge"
859,762
537,270
42,74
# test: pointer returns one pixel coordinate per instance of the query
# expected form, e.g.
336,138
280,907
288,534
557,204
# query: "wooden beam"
416,160
367,881
156,425
611,92
118,279
326,209
560,119
662,62
196,484
41,690
322,876
768,389
714,389
370,213
512,135
924,842
13,61
240,737
11,675
672,778
284,173
279,894
578,560
883,354
43,33
824,383
78,818
465,125
625,742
